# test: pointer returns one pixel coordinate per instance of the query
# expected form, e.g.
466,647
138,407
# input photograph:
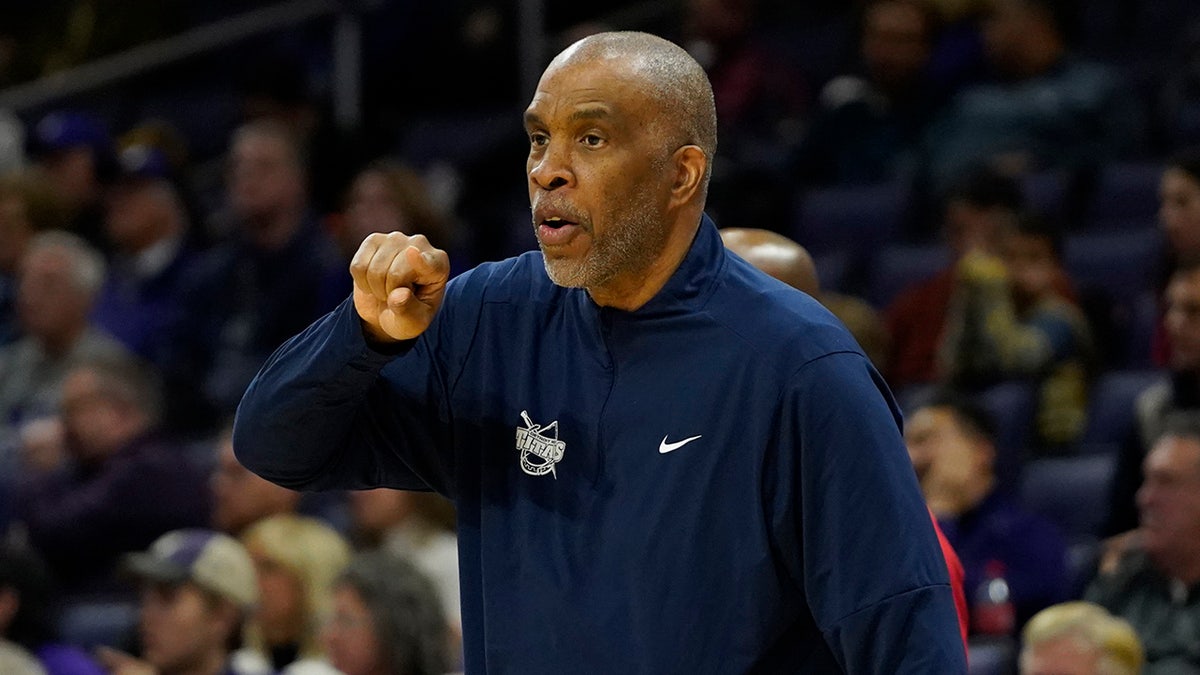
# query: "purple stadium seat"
850,218
1111,409
897,266
1124,194
1070,491
1121,265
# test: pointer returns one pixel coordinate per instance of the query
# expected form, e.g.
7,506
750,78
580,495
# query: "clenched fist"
399,282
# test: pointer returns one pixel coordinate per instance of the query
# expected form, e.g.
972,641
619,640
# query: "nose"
549,167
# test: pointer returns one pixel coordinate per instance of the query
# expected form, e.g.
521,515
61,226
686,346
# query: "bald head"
776,255
667,74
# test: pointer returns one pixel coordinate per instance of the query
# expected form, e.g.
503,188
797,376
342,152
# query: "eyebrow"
593,113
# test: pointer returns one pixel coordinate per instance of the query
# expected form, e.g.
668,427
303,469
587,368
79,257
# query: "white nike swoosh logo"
665,447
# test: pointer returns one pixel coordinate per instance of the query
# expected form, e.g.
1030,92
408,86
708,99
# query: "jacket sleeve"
329,412
868,556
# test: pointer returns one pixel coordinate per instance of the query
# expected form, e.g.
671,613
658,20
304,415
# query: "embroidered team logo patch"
540,450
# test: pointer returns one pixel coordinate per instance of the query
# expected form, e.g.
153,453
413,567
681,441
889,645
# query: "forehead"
609,84
1178,455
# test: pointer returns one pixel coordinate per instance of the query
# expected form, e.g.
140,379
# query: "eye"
538,139
592,140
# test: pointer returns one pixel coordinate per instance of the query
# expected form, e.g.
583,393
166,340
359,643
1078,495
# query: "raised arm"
320,414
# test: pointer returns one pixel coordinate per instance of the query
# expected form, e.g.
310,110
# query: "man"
1009,320
124,485
776,528
27,206
868,123
974,215
1045,108
1155,582
146,224
950,441
1079,638
197,588
143,301
274,276
57,282
1177,394
75,152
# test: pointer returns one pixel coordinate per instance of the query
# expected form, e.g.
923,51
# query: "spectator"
1178,393
868,124
762,101
1153,580
950,441
790,263
1179,217
27,206
1079,638
241,498
142,301
278,272
974,215
416,526
275,87
1009,320
147,226
58,280
297,559
28,640
386,620
75,152
124,486
390,197
1179,208
197,589
1046,108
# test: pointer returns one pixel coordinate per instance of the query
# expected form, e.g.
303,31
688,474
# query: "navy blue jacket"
786,535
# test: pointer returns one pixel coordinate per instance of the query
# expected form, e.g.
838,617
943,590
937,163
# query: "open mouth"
556,231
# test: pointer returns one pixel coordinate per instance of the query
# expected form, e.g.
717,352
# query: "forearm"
298,422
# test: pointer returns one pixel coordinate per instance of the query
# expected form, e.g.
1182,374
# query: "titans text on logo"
539,450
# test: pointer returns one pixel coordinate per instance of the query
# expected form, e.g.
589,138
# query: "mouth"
555,229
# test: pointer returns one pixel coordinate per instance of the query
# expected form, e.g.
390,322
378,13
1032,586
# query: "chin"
563,272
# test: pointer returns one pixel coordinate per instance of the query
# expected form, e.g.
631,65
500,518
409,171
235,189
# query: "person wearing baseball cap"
197,588
75,151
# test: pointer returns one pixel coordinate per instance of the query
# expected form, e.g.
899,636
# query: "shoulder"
770,317
519,280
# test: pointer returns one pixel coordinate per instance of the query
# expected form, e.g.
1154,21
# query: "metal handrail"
152,55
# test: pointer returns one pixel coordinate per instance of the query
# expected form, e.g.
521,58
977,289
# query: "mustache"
557,207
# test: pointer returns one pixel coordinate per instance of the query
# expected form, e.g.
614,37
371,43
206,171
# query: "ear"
690,164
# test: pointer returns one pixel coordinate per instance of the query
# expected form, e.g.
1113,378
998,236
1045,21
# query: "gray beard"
634,242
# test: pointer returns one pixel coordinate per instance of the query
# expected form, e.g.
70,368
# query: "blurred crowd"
1000,198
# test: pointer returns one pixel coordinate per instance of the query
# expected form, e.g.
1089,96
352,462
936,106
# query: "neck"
630,291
